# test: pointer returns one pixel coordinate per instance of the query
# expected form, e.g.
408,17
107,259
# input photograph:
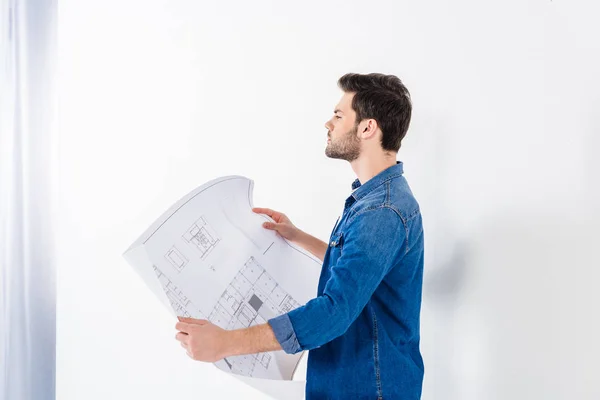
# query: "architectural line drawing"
176,258
179,301
252,298
208,256
201,237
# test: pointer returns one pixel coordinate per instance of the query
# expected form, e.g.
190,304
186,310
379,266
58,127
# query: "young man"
362,329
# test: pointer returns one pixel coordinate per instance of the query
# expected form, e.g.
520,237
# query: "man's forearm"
252,340
311,244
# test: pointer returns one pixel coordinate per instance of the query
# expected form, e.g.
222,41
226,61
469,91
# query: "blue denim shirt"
362,329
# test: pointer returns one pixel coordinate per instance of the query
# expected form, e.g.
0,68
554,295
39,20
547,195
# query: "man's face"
343,142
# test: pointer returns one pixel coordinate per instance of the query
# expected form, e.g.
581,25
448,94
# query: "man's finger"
183,327
182,337
270,225
267,211
193,321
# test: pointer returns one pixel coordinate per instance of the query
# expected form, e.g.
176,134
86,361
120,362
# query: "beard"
347,147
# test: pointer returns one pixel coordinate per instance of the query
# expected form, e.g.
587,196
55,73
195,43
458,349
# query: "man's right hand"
282,223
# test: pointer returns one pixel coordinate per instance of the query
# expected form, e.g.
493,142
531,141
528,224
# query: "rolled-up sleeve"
285,334
374,241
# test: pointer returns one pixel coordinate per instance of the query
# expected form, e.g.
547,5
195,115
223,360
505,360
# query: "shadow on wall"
515,309
442,289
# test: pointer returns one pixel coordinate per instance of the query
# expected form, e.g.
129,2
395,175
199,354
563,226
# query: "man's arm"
205,341
256,339
315,246
374,240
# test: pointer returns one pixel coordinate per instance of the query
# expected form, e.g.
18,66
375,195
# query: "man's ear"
369,129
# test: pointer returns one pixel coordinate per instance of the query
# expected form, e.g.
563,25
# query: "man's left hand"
203,340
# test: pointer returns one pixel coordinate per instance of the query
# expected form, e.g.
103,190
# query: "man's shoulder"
394,194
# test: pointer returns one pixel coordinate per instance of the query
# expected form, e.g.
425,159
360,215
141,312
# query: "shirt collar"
362,190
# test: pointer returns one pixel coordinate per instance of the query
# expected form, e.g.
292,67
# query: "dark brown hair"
383,98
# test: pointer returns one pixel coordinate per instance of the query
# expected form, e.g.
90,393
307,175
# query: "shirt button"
333,243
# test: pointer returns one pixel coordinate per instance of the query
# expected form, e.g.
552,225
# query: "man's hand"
285,228
282,224
203,340
207,342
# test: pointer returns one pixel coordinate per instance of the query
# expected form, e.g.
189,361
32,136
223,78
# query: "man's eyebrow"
337,110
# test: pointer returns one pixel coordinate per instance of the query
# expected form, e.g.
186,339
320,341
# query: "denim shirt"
362,329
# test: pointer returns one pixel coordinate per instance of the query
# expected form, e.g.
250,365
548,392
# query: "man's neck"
366,167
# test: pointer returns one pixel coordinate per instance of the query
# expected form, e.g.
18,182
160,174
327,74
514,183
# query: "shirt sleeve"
373,241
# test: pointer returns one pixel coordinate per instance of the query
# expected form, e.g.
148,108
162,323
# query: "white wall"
160,96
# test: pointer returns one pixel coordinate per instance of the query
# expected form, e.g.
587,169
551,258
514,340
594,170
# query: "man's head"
372,116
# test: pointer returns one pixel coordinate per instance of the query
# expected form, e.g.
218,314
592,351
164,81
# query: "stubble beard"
346,147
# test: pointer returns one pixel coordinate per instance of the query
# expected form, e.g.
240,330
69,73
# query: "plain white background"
157,97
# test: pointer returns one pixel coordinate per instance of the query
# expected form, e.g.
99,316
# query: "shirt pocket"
336,241
335,247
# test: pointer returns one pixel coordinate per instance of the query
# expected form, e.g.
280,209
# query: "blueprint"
209,257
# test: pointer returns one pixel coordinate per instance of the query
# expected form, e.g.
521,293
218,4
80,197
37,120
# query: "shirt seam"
383,181
376,355
391,207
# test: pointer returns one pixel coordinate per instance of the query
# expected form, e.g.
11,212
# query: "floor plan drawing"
208,256
176,258
180,303
252,298
202,237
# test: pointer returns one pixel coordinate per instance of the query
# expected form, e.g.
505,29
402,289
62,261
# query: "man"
362,329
